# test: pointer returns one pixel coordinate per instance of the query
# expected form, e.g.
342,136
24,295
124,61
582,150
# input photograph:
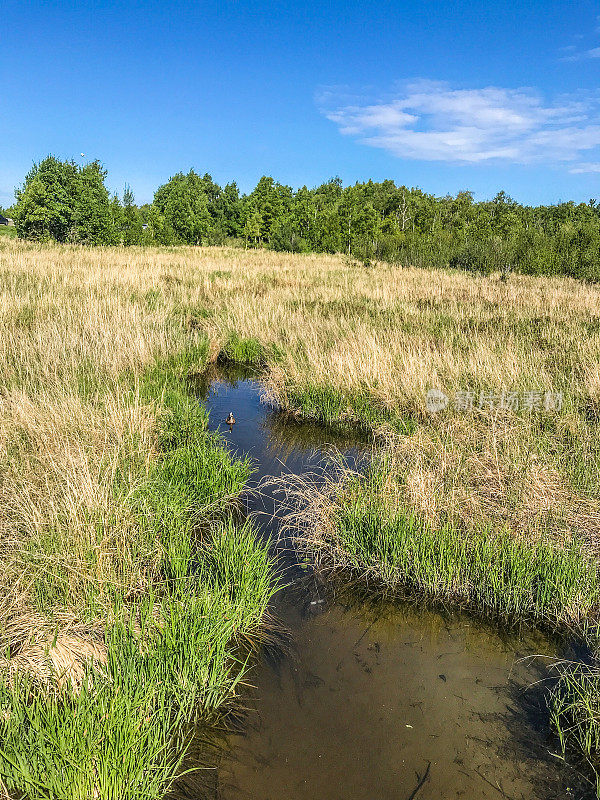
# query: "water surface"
374,700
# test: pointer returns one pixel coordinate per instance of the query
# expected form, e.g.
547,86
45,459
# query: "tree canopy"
66,202
369,221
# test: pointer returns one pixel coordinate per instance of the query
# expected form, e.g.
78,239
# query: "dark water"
373,701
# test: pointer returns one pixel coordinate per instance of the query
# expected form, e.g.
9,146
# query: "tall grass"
339,343
240,350
358,526
172,646
111,488
574,704
110,740
337,409
123,733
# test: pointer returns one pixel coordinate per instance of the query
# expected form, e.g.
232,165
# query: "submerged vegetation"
120,557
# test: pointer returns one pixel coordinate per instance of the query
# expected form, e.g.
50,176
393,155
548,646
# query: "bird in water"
230,419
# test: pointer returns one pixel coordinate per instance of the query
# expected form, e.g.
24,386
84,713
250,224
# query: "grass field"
111,488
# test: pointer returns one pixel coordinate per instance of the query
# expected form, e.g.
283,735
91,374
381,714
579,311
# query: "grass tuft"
357,525
574,704
239,350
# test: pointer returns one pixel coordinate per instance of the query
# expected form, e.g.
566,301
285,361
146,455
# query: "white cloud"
432,121
354,119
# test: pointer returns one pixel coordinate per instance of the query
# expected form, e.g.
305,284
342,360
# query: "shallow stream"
373,701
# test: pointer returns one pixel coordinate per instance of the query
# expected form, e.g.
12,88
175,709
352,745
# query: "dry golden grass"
489,470
58,662
74,320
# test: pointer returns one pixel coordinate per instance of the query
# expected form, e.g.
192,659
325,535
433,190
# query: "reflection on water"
376,700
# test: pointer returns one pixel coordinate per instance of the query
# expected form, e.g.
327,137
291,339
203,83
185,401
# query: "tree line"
67,202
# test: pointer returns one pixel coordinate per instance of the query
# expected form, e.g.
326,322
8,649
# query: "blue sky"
441,95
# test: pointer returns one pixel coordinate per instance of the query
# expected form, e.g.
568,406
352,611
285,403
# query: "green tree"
116,212
232,210
92,218
132,222
183,204
60,200
251,227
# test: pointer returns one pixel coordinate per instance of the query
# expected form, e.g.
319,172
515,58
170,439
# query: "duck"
230,419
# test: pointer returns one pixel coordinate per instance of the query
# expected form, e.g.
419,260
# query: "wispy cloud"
433,121
573,52
589,166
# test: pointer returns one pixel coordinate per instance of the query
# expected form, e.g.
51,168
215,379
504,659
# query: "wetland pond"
372,700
